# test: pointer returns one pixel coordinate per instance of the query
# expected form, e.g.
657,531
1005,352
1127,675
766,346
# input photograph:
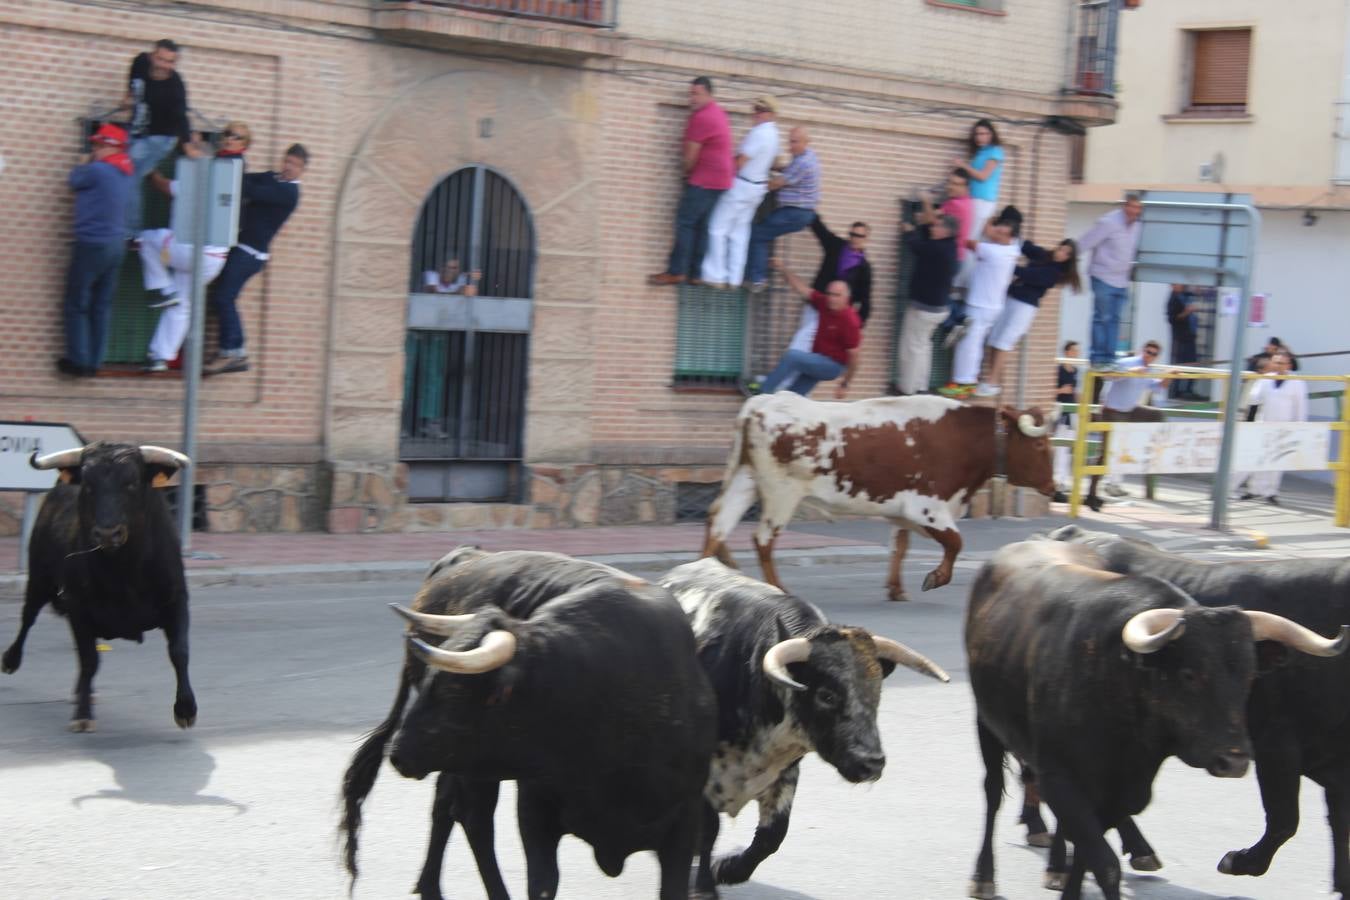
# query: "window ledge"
980,10
1205,117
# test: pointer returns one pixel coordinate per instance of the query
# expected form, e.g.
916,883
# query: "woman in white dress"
1278,400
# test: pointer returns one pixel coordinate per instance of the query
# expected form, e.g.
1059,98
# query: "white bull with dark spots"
914,461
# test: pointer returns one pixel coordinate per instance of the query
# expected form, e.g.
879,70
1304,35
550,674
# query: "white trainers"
987,390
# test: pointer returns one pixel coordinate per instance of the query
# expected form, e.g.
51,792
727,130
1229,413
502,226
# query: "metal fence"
1094,69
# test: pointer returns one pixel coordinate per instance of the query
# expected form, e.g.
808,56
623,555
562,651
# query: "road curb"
12,585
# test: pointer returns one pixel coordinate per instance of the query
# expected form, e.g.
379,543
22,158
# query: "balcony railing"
595,13
1094,69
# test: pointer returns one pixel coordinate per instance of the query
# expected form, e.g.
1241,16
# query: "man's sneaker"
1114,490
957,391
165,300
987,390
225,364
758,287
155,365
958,331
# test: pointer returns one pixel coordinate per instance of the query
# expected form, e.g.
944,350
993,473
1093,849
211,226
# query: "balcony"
1090,94
530,28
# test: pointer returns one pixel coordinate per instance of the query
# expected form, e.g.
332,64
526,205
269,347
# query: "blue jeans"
803,371
146,152
783,220
691,230
88,304
1107,303
956,314
240,266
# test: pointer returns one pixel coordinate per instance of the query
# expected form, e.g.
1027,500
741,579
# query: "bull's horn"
793,650
495,651
163,456
1027,425
61,459
445,626
1270,627
1151,630
899,654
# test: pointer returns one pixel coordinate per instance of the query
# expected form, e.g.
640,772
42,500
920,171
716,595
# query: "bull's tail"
738,491
365,766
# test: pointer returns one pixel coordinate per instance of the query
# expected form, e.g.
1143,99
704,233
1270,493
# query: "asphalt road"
244,805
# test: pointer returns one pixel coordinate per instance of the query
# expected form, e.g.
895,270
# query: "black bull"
1053,640
1299,709
105,554
531,640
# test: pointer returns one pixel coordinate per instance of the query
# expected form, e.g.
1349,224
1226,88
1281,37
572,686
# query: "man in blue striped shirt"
798,189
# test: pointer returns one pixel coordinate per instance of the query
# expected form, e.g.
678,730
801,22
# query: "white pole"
192,354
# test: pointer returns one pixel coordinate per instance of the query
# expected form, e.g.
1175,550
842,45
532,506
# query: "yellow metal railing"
1086,426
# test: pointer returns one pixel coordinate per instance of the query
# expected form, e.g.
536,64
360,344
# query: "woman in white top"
1278,400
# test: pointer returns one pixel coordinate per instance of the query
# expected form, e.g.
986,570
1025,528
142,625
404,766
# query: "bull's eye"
827,698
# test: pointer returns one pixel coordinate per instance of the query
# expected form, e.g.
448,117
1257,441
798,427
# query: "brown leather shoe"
665,278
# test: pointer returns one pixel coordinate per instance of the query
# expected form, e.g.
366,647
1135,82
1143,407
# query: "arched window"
469,311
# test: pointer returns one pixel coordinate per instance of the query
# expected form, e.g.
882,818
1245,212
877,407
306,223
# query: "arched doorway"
465,376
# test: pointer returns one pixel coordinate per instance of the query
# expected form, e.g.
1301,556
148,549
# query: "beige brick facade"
585,125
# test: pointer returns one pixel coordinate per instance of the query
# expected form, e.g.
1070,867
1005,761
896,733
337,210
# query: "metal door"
464,384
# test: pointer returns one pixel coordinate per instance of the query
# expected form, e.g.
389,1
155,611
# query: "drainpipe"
1341,172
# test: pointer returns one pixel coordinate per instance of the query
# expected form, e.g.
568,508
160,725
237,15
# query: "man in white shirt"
729,227
450,280
995,259
1122,400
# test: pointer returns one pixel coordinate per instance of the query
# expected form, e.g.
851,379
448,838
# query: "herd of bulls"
633,713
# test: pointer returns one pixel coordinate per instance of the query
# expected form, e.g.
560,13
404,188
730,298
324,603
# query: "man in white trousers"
1279,400
167,266
996,256
729,227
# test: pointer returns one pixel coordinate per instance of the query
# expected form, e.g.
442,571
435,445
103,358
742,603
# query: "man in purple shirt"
1113,243
708,171
798,195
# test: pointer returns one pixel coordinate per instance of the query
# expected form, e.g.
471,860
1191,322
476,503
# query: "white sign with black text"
19,440
1145,448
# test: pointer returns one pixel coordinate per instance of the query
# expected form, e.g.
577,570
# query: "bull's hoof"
932,580
732,869
185,721
185,713
982,890
896,594
10,662
82,726
1039,839
1236,862
1149,862
1055,881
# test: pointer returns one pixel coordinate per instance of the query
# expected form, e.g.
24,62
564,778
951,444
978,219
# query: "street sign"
19,440
1189,245
222,195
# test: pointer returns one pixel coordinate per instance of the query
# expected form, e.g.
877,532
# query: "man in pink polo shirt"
708,171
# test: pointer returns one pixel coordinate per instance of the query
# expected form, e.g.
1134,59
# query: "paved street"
245,804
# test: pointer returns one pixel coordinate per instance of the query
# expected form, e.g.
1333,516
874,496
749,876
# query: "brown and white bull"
911,460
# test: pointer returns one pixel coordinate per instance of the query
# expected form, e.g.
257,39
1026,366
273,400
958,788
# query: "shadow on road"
174,774
1141,887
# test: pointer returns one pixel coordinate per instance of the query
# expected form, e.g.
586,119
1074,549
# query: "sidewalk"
1176,519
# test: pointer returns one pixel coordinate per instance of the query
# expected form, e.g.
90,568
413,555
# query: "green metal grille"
133,323
710,336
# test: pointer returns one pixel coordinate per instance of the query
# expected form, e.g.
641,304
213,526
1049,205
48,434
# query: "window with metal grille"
709,337
989,6
1219,69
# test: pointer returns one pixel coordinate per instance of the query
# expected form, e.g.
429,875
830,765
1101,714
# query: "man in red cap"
102,187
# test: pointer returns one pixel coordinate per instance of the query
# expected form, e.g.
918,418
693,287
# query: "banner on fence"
1143,448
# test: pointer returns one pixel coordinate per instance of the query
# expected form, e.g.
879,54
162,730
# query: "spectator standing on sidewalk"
835,350
708,171
798,189
1184,321
984,166
995,258
102,189
1113,242
269,199
1277,400
729,228
933,248
1040,271
157,99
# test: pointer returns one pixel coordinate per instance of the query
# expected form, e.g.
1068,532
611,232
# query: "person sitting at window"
451,279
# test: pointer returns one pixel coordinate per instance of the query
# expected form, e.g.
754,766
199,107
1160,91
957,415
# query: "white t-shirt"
432,279
759,147
992,273
1124,394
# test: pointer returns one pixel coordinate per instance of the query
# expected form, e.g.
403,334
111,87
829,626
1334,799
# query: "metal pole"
1021,402
192,355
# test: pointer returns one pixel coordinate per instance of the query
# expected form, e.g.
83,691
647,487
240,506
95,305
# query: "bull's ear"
887,667
160,475
68,475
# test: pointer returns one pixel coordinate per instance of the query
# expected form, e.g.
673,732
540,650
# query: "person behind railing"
1039,271
1113,242
157,99
102,187
1123,400
707,167
996,256
1184,320
451,279
1273,346
834,352
167,262
1066,396
984,165
933,248
729,227
1276,400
